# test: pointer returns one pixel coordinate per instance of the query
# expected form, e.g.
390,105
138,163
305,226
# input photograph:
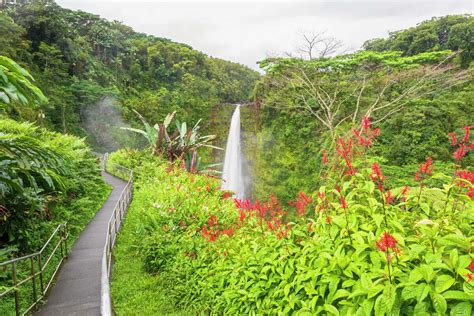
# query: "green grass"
134,291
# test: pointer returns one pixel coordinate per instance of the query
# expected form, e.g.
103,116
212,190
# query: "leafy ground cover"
351,247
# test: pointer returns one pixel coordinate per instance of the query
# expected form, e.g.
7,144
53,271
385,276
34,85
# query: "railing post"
33,280
17,297
110,241
115,221
65,239
40,267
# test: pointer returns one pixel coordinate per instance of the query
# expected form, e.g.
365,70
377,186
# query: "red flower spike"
386,242
343,202
376,173
454,141
460,152
366,123
466,134
405,190
424,169
325,157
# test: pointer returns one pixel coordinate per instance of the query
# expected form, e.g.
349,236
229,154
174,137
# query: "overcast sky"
248,31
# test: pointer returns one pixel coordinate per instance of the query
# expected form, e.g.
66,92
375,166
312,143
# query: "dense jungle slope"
77,58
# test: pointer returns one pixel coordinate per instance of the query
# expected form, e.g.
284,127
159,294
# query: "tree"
316,44
347,88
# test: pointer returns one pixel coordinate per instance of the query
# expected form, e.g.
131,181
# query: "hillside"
77,58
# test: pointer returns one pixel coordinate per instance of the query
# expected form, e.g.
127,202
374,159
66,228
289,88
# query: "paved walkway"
77,289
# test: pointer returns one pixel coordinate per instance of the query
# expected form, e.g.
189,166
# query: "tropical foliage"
181,145
77,58
352,246
414,95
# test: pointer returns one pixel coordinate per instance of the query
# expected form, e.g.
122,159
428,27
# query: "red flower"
405,190
328,219
229,231
343,202
366,123
424,169
466,134
404,193
386,242
242,215
376,173
454,141
465,175
471,266
301,203
226,194
389,197
460,152
470,277
325,157
470,193
212,220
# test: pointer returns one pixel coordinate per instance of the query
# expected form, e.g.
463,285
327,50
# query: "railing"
35,267
113,226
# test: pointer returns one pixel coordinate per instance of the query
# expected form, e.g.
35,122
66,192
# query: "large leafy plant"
17,85
182,144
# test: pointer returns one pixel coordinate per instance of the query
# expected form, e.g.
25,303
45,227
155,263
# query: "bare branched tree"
377,93
317,44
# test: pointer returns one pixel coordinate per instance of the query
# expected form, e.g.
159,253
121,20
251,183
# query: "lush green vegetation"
46,179
345,218
382,229
453,32
77,58
41,173
419,95
52,178
350,247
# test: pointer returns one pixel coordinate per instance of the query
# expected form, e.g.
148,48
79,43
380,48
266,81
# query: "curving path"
78,287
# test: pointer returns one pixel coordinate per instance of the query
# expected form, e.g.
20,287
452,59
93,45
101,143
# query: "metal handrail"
37,269
113,226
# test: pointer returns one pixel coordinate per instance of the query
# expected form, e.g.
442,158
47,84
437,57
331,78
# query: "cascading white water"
232,176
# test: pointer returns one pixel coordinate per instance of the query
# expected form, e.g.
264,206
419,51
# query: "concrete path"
77,289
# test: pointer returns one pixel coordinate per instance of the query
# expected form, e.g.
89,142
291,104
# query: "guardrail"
113,226
35,266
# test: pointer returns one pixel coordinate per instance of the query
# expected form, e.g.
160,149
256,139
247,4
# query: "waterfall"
232,176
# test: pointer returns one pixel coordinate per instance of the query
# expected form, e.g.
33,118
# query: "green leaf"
380,307
462,309
425,207
443,283
439,303
331,309
457,295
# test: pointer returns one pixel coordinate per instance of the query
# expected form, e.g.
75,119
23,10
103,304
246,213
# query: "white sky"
248,31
